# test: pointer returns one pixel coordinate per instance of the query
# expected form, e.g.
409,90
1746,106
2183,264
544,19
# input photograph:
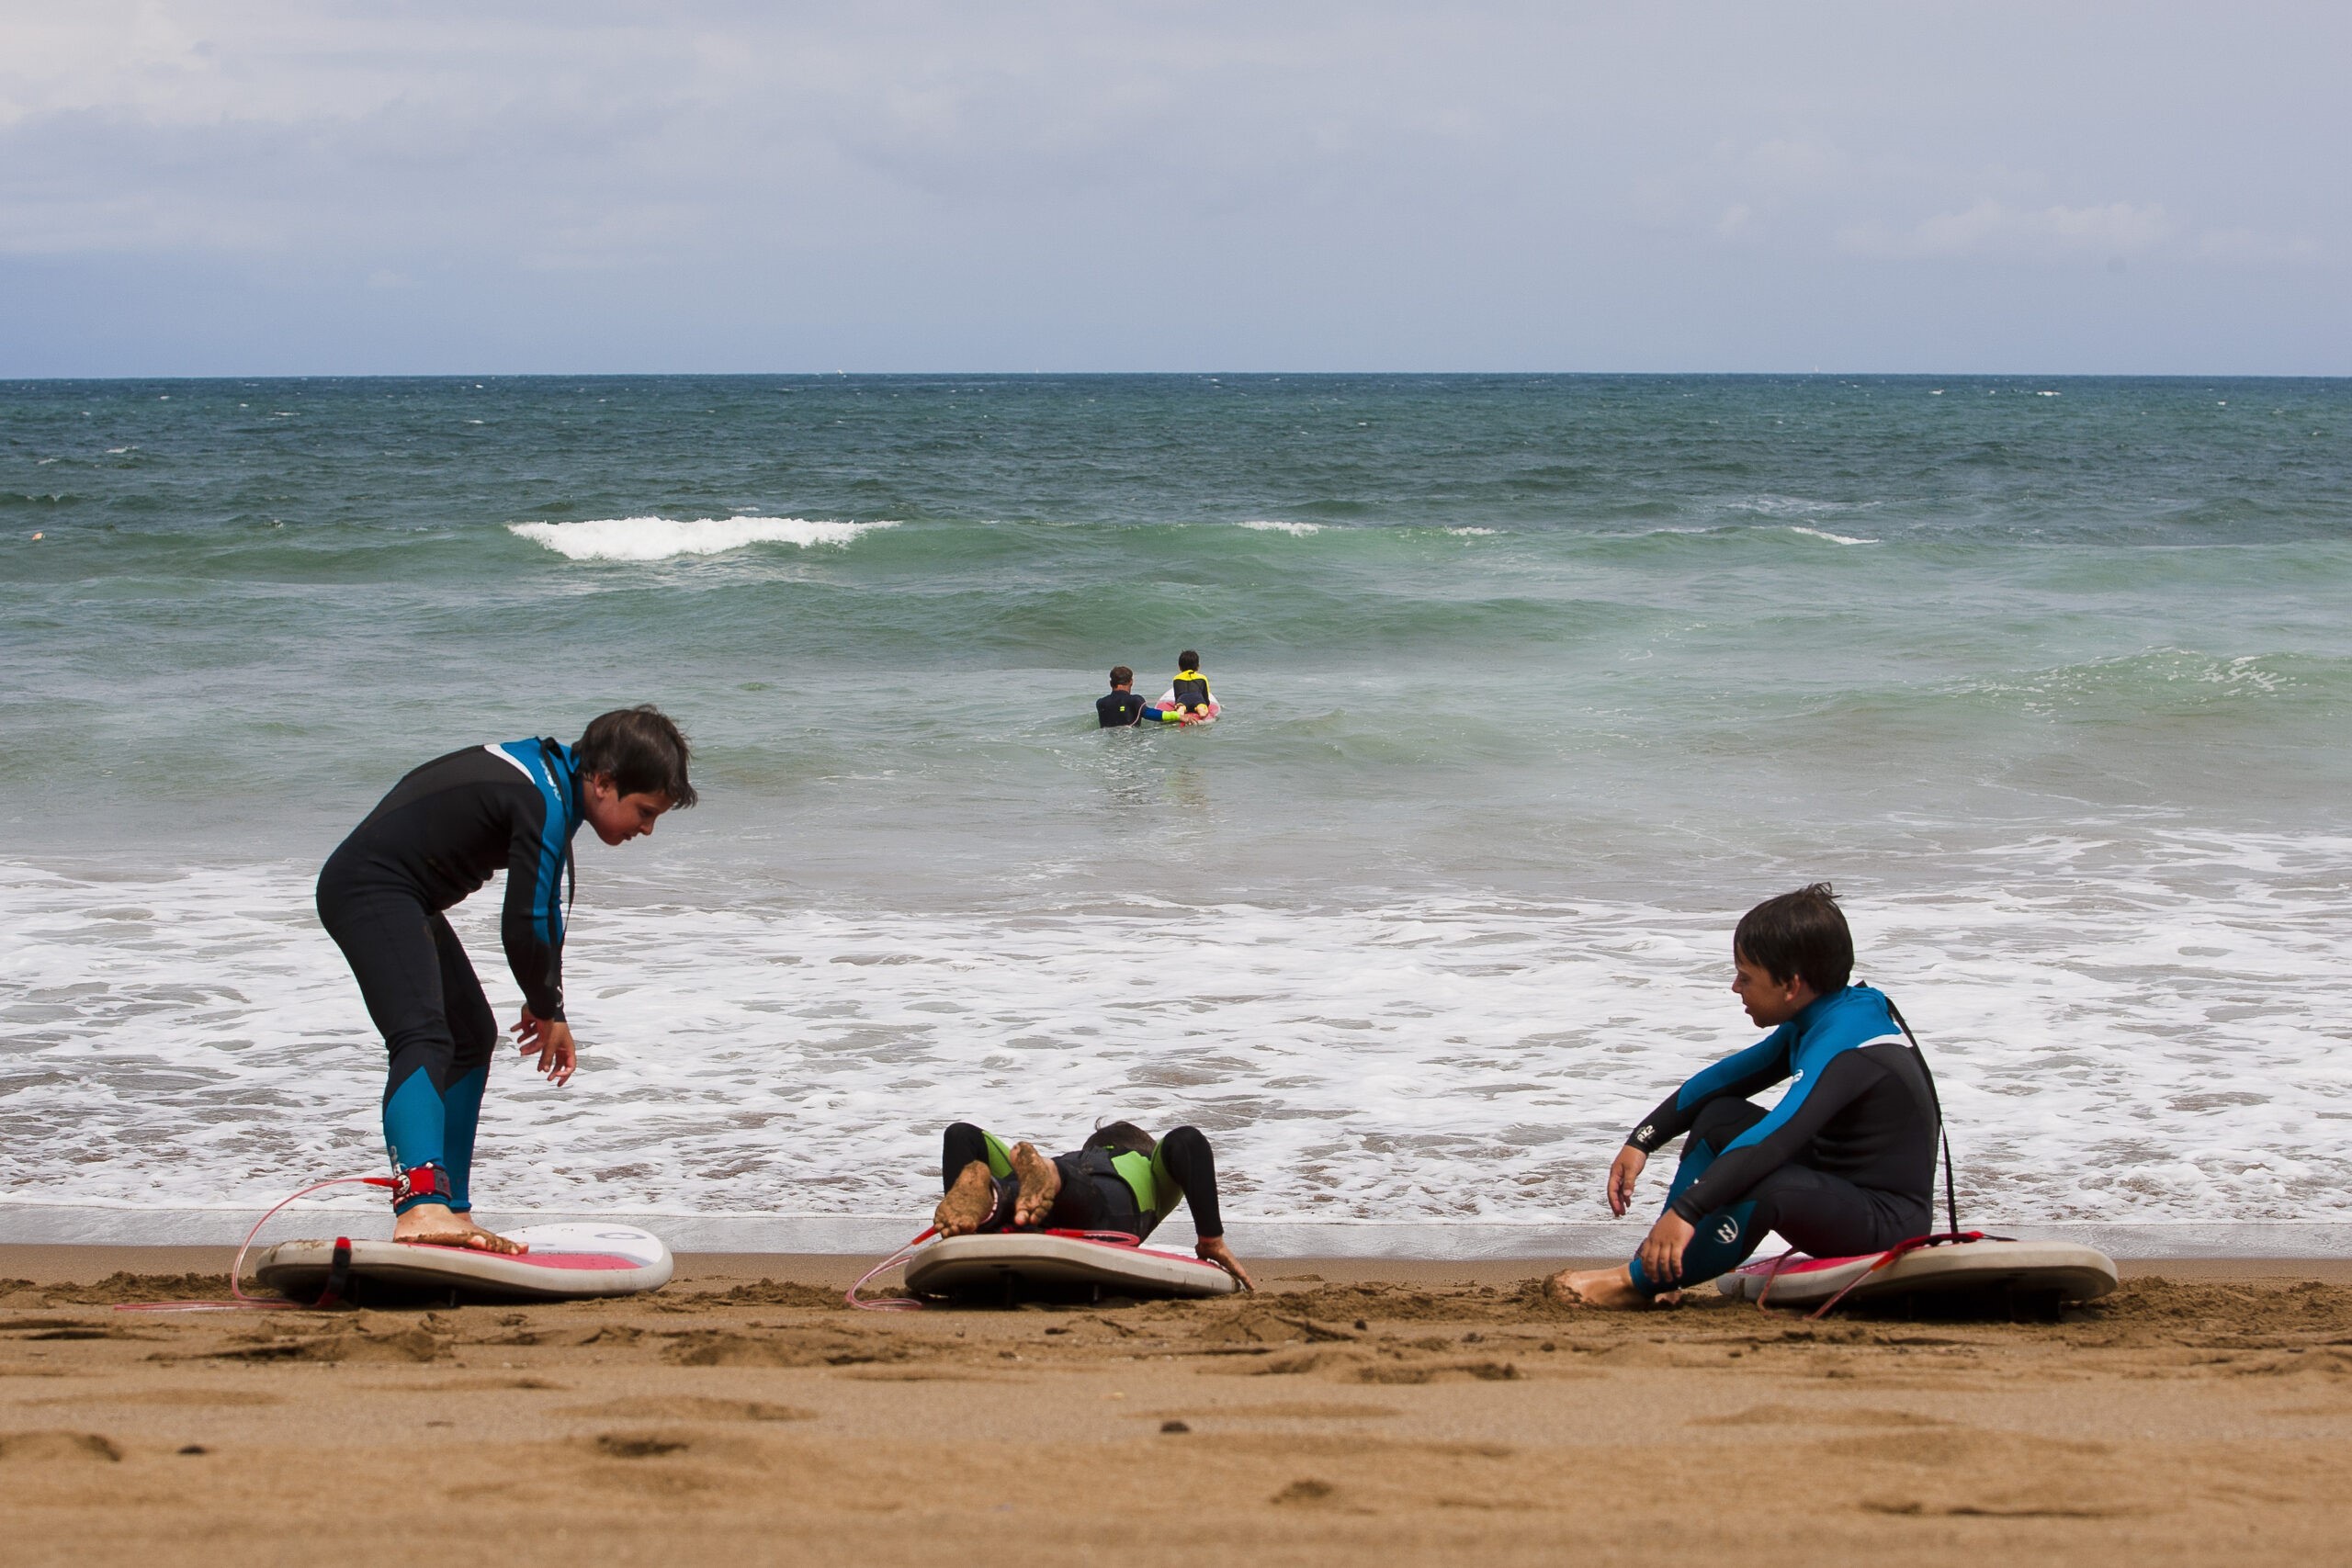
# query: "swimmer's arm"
1782,1135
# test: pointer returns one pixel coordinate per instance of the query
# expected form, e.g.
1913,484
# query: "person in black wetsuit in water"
441,833
1843,1165
1121,1180
1123,710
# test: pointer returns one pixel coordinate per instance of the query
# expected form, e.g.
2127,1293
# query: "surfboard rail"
2066,1270
966,1265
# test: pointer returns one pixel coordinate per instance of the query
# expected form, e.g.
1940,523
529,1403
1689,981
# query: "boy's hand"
1211,1249
551,1040
1662,1249
1624,1171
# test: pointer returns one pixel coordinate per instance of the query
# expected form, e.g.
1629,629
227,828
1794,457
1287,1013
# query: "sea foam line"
661,539
2122,1032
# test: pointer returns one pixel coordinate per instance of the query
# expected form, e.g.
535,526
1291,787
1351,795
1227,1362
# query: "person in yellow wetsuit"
1189,693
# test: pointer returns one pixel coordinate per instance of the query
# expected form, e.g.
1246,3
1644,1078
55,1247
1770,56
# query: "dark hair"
1188,660
1799,934
640,751
1122,676
1122,1137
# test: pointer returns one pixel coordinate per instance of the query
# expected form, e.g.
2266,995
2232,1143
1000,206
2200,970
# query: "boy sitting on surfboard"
1845,1164
1189,693
1122,1179
441,833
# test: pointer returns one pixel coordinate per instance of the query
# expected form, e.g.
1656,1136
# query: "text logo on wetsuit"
1728,1232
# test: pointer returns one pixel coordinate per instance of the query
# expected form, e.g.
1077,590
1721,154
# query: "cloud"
1991,227
2254,245
1059,182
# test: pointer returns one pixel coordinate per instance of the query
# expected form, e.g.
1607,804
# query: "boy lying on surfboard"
1121,1180
443,831
1845,1164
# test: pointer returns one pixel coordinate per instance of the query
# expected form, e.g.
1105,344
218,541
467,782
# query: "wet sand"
1355,1411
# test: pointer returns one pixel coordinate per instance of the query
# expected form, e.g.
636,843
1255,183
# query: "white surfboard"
567,1261
971,1264
2062,1269
1168,700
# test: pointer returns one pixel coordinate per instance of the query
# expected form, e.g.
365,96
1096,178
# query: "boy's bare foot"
1040,1184
1608,1288
435,1225
968,1204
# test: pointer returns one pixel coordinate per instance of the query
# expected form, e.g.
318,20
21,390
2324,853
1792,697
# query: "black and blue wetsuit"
1845,1163
441,833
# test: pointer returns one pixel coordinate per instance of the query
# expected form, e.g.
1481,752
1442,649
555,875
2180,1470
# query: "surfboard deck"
567,1261
1036,1264
2060,1269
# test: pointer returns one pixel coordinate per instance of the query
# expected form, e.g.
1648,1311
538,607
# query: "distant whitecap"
659,539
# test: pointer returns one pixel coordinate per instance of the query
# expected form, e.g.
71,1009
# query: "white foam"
661,539
1787,505
2137,1029
1296,530
1825,533
1474,533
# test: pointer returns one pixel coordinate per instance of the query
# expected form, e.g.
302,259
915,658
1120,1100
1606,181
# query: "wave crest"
659,539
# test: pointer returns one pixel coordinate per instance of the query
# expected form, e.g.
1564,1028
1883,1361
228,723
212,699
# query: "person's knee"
1721,1121
474,1040
427,1043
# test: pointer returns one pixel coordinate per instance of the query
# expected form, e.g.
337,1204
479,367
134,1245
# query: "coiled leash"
889,1303
338,1270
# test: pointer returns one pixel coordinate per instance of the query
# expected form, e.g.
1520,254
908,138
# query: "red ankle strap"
426,1181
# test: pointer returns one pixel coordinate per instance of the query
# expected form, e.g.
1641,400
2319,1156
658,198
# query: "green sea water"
2050,677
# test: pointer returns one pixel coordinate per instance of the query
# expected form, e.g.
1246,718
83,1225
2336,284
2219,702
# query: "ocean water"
1533,684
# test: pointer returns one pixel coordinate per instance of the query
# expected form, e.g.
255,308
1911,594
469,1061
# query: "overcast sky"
250,186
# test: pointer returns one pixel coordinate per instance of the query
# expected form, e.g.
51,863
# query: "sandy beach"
1351,1411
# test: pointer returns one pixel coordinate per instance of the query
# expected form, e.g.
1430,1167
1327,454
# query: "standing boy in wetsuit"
1844,1165
441,833
1121,1180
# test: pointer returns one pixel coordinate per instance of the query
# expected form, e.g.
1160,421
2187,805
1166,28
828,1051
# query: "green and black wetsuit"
1102,1189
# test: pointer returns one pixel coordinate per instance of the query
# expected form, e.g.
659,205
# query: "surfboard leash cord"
890,1304
338,1273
